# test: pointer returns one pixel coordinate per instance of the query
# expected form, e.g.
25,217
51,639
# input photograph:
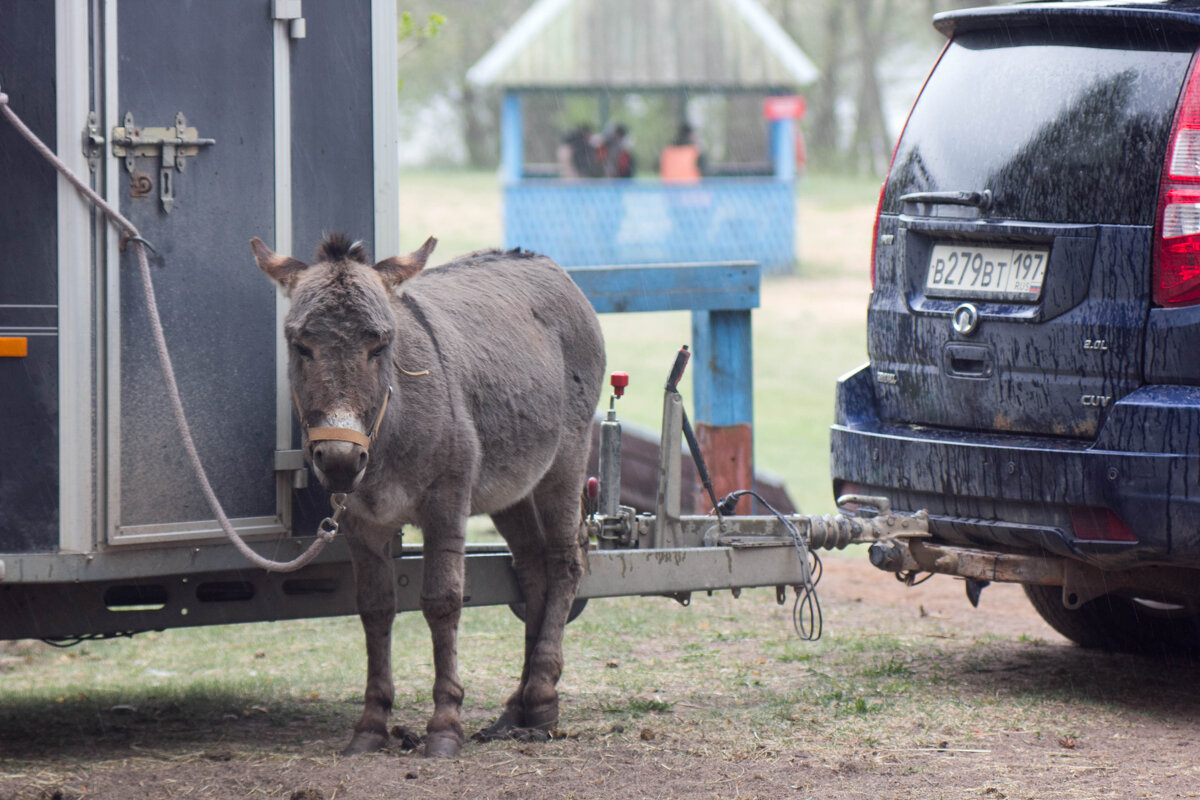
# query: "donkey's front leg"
371,552
441,601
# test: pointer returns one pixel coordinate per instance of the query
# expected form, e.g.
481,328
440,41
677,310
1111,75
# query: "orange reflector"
14,346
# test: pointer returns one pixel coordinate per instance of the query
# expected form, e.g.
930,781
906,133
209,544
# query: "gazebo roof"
713,45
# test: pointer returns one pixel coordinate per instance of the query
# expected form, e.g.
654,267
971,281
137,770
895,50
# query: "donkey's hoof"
445,744
365,742
543,717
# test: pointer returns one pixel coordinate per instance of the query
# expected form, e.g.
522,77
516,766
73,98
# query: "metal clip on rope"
329,526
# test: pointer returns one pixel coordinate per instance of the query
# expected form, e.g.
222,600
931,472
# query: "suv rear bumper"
1012,493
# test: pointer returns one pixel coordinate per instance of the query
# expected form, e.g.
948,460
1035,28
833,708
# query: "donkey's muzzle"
339,465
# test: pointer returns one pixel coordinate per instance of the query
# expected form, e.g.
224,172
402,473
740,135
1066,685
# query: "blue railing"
616,222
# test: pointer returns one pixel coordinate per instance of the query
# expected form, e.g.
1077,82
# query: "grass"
722,682
632,662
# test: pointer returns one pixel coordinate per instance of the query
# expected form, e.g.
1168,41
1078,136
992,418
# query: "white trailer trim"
76,435
385,110
282,47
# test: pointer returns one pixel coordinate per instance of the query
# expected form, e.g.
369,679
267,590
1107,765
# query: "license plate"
994,273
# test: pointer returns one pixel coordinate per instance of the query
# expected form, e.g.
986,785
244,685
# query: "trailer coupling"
759,549
878,525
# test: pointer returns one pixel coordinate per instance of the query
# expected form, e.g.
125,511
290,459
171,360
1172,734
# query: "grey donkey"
429,397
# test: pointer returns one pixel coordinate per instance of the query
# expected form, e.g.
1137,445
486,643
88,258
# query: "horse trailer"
206,125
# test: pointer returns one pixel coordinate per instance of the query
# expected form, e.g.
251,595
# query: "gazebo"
686,48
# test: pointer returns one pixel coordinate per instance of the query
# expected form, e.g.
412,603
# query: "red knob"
593,488
619,381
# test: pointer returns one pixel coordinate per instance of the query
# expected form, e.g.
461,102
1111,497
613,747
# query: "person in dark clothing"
617,157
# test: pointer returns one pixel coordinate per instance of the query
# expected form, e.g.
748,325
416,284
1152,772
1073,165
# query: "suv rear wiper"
981,200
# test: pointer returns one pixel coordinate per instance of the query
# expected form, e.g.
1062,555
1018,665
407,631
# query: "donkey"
493,365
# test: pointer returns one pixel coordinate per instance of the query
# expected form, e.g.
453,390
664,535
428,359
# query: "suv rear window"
1062,126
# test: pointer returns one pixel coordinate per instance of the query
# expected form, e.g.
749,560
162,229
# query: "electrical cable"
806,611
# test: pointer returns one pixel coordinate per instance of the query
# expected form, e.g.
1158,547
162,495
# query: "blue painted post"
512,139
722,367
783,149
723,388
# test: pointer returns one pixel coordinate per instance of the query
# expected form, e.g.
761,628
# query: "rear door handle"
967,361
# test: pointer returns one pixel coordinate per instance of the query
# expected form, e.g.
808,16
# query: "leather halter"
344,434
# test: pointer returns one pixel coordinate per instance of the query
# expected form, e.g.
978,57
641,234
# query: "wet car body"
1034,340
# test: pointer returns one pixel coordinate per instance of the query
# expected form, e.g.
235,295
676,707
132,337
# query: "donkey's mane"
338,247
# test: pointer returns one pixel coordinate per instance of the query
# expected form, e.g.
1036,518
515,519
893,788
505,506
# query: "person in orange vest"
682,161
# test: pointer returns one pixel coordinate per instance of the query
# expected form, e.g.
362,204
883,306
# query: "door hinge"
174,145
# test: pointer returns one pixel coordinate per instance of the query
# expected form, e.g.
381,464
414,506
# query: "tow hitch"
757,549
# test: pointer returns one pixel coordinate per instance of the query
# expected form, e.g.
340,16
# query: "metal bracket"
292,462
291,12
93,141
173,145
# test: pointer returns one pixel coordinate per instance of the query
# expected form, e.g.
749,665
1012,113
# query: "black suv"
1034,324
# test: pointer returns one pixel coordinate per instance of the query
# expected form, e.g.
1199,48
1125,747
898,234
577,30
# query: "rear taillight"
1177,232
1096,524
878,209
892,162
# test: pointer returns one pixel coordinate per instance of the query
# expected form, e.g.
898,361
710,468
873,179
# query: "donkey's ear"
284,270
397,269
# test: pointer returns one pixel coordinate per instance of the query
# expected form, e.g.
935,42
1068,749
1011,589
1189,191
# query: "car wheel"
1121,624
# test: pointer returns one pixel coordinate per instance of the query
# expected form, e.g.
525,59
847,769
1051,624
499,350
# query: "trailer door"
248,90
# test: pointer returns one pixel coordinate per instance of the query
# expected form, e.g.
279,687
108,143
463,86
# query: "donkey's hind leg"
543,532
521,529
558,501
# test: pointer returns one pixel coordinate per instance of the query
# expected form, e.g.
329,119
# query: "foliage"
408,28
872,55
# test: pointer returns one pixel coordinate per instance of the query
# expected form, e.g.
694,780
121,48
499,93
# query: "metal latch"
93,141
174,145
292,461
291,12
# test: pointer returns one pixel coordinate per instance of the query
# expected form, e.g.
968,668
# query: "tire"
1120,624
577,607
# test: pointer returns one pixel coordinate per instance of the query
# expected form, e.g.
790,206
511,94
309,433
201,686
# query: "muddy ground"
996,705
1129,730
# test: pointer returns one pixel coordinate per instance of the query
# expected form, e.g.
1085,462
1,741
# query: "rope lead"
164,361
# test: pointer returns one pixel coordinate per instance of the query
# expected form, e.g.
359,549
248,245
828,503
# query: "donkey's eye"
376,352
302,351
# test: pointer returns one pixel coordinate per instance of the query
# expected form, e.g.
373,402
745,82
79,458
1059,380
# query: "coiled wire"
806,611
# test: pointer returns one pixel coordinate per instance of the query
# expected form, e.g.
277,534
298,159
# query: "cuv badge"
966,318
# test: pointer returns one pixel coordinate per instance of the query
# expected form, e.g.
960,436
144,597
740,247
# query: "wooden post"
723,388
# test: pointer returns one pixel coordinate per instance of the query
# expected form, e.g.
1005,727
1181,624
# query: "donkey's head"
340,331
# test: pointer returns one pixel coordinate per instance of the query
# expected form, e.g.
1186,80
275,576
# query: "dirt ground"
1146,743
1122,727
